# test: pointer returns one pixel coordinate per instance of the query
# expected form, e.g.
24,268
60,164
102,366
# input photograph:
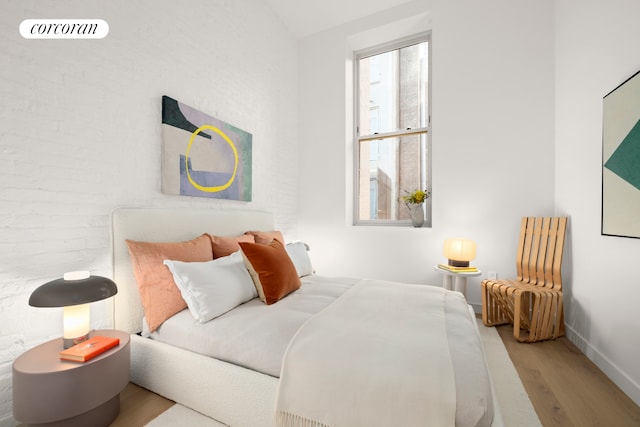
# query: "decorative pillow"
226,245
265,237
214,287
299,255
271,269
159,295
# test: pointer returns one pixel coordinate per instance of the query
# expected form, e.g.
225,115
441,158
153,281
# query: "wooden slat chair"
533,301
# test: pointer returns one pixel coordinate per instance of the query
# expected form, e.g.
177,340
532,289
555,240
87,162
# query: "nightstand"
50,391
456,280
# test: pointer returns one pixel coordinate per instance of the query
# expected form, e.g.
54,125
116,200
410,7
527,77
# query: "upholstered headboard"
166,225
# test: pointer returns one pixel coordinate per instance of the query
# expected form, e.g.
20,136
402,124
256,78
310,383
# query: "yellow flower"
416,198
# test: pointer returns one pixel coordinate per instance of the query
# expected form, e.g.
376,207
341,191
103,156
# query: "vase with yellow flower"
414,202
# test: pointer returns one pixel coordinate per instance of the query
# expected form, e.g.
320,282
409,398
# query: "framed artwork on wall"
621,160
203,156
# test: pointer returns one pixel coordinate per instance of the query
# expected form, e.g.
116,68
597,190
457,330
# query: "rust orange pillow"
159,294
226,245
265,237
271,269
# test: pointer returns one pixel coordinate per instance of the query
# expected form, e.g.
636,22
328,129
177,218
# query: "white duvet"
256,336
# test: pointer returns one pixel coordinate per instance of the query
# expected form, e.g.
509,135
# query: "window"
391,124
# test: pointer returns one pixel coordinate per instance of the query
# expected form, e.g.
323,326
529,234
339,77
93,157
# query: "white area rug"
515,406
178,415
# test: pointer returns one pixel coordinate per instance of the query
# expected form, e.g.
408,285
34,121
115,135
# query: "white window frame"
358,139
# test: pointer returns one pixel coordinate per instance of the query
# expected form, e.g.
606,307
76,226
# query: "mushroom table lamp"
74,292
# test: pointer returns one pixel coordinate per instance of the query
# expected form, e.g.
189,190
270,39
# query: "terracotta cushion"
226,245
159,294
265,237
271,269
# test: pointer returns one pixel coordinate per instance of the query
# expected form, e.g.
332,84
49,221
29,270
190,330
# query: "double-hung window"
392,156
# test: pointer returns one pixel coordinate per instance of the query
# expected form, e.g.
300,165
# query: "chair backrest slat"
557,259
547,266
540,248
520,257
537,249
545,251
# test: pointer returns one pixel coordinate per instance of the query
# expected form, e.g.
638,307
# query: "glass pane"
393,90
389,168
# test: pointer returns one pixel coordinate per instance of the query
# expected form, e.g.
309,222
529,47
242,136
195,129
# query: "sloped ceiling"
306,17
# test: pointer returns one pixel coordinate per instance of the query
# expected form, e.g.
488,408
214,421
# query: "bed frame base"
228,393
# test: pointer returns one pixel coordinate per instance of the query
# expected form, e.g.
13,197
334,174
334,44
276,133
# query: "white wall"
492,136
80,134
596,50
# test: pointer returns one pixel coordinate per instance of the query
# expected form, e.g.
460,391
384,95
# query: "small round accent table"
455,280
48,391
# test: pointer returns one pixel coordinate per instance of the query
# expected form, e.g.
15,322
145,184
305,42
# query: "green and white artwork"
203,156
621,160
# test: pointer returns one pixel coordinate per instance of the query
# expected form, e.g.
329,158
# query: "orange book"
89,349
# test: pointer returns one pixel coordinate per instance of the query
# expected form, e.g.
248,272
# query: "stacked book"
454,269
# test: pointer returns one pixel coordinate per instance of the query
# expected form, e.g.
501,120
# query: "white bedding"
228,392
256,336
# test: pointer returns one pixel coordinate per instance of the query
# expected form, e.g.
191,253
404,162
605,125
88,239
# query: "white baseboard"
619,377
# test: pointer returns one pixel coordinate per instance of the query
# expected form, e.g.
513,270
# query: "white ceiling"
306,17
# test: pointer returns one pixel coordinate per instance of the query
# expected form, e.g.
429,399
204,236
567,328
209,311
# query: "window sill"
404,224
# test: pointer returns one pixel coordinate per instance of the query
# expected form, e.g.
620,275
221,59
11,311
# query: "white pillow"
212,288
297,251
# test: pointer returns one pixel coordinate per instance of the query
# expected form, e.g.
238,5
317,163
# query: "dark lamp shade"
63,293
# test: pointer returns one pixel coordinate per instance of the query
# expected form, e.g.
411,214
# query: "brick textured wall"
80,134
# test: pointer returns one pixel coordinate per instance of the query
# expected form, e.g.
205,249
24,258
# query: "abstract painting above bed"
203,156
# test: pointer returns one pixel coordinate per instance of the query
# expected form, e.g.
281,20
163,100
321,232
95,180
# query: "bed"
239,393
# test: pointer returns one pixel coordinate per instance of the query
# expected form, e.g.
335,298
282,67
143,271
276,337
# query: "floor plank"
565,387
138,406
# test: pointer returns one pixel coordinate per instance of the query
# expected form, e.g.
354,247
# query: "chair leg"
556,317
559,329
544,316
548,325
547,317
517,309
486,302
493,310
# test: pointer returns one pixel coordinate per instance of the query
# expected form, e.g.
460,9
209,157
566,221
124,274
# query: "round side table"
50,391
456,280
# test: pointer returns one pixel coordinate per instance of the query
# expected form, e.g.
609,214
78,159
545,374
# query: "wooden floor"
565,387
138,406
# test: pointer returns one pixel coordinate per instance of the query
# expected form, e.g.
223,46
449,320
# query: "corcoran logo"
64,28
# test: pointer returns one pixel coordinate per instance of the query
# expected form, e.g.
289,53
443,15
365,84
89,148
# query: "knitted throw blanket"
377,356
